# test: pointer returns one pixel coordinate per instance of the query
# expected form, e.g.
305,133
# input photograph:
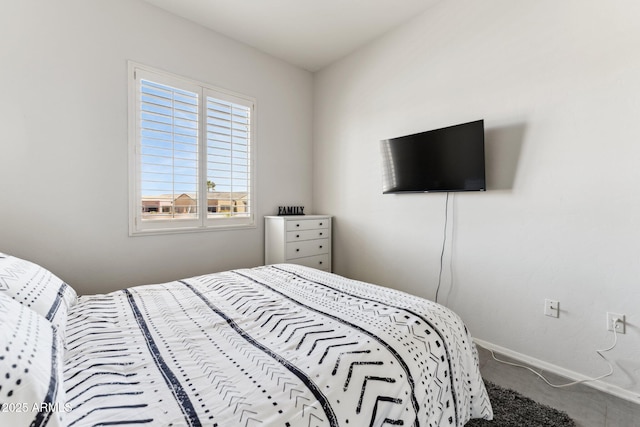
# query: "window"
191,154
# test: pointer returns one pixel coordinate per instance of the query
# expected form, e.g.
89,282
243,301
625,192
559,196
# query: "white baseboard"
557,370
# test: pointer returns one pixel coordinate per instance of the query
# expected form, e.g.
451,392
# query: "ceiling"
308,33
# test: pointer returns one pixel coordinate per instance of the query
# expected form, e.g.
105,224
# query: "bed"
278,345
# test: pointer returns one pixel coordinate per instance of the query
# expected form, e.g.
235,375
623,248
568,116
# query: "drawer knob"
320,246
320,223
297,236
297,225
321,234
297,250
320,262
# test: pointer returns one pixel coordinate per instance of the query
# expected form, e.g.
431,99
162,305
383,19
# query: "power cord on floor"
615,341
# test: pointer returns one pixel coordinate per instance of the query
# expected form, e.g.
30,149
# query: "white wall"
558,86
63,138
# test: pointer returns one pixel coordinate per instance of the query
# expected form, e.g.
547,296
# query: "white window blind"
168,152
228,156
191,155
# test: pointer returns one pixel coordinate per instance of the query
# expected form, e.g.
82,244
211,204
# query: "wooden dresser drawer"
307,248
307,224
321,262
295,236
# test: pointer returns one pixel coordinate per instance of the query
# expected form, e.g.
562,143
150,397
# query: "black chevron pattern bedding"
280,345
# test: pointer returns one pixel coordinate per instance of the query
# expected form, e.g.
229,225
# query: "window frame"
139,226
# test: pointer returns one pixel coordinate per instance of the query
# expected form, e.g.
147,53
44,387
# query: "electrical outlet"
619,326
551,308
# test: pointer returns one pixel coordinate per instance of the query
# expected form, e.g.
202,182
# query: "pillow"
37,288
31,389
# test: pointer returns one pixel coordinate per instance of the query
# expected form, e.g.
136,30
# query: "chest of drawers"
304,240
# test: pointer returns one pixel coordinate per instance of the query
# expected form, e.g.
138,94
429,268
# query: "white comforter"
280,345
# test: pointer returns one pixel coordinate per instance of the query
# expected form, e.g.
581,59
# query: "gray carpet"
511,409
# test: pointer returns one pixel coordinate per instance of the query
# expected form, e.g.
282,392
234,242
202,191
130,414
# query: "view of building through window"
187,161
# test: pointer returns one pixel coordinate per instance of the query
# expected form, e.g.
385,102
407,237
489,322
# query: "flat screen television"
446,159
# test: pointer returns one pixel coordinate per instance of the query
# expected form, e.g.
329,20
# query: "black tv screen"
446,159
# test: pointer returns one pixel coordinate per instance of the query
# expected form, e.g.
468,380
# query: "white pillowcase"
37,288
31,389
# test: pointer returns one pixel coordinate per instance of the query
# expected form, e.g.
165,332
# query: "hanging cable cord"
615,341
444,243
